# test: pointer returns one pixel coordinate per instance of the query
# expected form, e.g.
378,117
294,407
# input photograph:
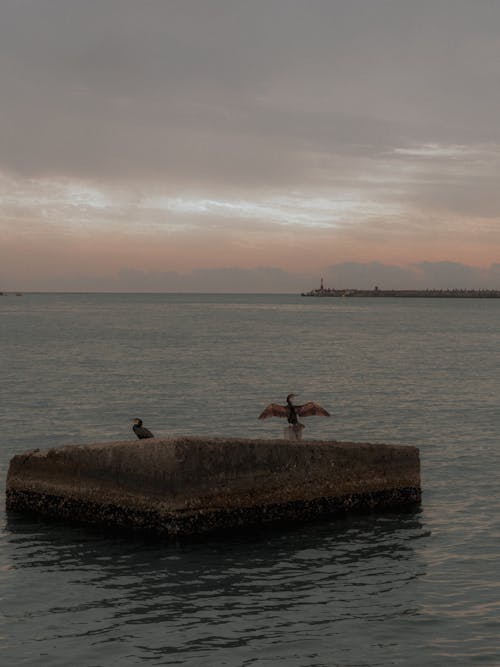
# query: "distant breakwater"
426,293
189,485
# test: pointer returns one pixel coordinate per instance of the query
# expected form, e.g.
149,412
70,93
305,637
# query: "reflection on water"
225,601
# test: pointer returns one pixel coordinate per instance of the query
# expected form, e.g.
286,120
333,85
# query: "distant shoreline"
425,293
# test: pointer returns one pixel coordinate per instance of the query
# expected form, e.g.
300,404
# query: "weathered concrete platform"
194,485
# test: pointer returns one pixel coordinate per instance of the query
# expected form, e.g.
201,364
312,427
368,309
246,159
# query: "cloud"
358,275
423,275
449,275
262,279
230,279
225,280
252,94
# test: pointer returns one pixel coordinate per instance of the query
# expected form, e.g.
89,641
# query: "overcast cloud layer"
144,143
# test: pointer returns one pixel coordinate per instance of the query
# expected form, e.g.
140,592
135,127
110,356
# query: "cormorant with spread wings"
293,412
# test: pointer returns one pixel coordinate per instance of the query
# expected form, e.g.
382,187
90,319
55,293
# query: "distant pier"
425,293
188,485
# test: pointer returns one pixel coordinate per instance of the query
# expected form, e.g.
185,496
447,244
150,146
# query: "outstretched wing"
274,410
311,409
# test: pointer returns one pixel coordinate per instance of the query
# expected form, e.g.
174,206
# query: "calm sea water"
415,589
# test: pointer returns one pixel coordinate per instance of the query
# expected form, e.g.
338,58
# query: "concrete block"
192,485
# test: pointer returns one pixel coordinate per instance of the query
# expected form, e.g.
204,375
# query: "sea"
418,588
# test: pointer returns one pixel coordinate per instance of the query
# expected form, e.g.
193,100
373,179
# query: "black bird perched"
140,430
293,412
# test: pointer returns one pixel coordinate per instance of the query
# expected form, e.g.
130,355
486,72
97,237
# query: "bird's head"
290,396
137,421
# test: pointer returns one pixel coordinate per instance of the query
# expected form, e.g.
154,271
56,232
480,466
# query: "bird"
140,430
293,412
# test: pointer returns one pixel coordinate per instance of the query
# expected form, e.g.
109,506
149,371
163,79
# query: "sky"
249,146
